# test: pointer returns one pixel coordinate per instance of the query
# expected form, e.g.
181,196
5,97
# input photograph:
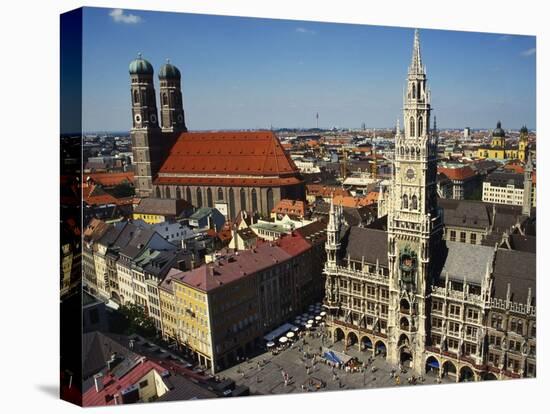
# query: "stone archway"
432,366
489,376
366,343
405,357
351,339
404,324
403,341
380,348
338,335
466,374
449,369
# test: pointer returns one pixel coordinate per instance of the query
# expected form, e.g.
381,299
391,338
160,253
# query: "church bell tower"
145,127
414,222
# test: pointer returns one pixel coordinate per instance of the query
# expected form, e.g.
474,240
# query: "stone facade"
463,310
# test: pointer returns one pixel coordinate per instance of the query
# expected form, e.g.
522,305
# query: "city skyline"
248,73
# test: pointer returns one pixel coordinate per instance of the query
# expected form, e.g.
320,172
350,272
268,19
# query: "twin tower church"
247,171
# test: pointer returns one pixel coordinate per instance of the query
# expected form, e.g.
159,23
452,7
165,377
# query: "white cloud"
529,52
304,30
119,16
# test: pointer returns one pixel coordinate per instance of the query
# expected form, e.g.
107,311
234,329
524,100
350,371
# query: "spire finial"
167,60
139,55
416,63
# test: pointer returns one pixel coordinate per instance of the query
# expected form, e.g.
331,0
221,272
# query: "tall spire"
416,62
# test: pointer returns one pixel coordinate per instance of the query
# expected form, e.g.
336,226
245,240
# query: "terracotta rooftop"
110,179
233,266
256,153
326,191
113,385
460,173
292,207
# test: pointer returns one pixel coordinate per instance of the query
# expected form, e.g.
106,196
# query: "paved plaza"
264,374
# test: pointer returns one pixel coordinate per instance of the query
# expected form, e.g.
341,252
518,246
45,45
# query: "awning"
281,330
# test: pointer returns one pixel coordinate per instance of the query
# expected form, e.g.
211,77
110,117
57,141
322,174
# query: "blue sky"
253,73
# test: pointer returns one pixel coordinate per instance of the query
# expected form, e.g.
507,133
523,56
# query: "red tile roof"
293,207
112,385
325,191
256,153
460,173
111,179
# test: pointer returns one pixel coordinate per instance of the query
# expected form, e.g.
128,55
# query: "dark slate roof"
523,243
517,269
503,179
182,388
368,243
97,349
246,234
162,206
467,261
315,232
464,213
139,239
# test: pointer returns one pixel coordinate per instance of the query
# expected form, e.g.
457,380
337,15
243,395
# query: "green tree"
137,321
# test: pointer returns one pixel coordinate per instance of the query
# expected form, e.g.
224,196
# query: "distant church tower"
527,187
414,222
171,102
145,128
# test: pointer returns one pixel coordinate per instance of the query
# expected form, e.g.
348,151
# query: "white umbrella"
308,326
310,322
290,335
270,344
283,339
323,313
317,318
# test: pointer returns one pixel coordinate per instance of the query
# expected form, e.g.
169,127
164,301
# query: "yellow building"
159,210
500,150
193,320
168,308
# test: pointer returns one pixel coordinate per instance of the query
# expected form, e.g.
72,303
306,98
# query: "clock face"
180,118
138,119
153,118
410,174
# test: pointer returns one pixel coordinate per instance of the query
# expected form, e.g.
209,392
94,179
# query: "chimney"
98,382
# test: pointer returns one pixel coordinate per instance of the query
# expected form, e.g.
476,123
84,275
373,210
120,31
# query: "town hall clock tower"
414,222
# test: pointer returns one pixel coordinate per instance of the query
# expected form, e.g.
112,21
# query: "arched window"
231,204
220,193
136,96
405,203
209,201
164,99
254,200
414,203
243,199
168,194
188,195
414,91
420,126
402,151
157,192
269,200
178,193
199,197
411,127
